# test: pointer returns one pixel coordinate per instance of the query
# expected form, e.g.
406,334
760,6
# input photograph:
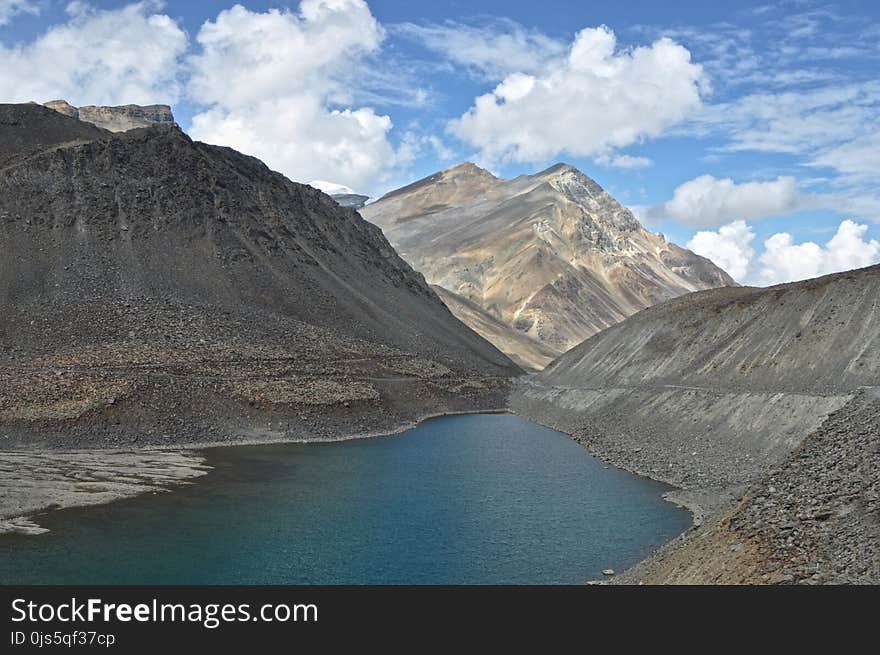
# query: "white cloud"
493,49
247,56
587,103
443,152
706,200
730,248
798,81
626,162
784,260
268,80
795,122
126,55
859,157
11,8
301,138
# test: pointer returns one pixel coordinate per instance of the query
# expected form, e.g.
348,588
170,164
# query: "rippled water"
485,498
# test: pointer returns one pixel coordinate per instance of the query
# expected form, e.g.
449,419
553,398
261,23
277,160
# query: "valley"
160,296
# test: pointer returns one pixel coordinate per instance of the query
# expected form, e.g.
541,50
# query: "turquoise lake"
478,499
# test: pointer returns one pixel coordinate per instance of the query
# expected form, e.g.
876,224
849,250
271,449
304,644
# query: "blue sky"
749,131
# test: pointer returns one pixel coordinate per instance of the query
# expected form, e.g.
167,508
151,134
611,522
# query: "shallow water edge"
33,483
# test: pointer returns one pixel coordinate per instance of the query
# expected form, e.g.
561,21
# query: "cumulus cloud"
730,248
783,260
248,56
300,137
493,49
11,8
268,80
707,200
814,99
126,55
594,99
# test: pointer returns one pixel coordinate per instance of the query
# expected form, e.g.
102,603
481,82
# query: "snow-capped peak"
332,188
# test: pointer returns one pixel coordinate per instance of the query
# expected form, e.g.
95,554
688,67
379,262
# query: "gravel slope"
764,392
156,290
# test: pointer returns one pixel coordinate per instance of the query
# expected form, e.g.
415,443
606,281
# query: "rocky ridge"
815,518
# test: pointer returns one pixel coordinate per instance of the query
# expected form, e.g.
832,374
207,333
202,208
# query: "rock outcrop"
116,119
551,256
156,290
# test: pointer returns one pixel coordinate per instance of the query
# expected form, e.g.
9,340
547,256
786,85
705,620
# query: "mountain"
342,194
761,405
115,119
28,130
331,188
158,290
551,257
350,200
527,352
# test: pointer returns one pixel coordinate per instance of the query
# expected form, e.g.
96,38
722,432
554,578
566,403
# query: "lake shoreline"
189,462
51,479
621,500
36,483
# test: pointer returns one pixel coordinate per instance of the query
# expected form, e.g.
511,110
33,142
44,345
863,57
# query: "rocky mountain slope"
156,290
32,131
768,392
814,519
527,352
551,256
812,336
115,119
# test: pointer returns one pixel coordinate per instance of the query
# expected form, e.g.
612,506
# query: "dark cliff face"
29,129
148,249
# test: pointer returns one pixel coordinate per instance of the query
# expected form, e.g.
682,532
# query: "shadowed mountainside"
161,290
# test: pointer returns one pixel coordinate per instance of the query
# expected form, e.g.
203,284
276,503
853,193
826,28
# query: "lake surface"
484,498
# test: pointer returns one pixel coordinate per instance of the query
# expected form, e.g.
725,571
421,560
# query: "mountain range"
157,291
538,263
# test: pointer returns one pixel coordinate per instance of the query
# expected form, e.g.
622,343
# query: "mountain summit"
538,263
